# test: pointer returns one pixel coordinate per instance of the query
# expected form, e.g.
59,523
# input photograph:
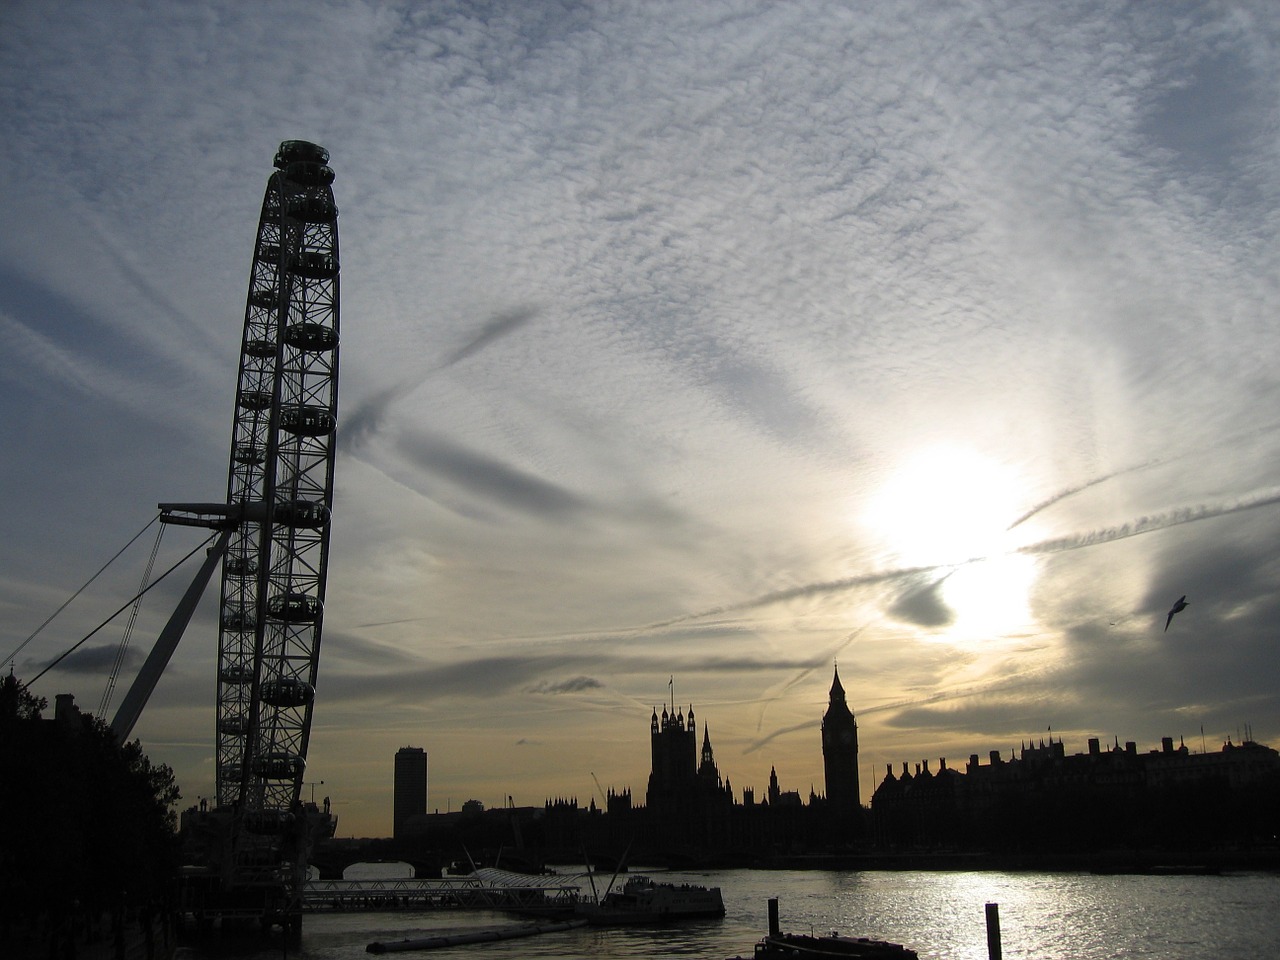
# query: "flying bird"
1177,608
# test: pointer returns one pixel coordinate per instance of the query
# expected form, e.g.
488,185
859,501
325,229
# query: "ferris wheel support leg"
166,643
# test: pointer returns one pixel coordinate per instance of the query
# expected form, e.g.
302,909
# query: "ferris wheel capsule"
288,692
292,151
302,514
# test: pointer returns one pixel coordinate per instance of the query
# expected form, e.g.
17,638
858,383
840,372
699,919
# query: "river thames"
1043,916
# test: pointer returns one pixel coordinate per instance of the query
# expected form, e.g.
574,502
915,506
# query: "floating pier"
484,890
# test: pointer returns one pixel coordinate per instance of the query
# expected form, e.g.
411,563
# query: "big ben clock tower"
840,753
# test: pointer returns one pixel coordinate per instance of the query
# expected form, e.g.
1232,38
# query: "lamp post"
313,785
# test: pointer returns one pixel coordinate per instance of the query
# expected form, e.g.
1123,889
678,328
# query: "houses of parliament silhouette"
687,798
1038,801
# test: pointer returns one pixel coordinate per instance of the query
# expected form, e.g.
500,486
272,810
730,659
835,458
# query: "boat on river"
641,900
799,946
777,945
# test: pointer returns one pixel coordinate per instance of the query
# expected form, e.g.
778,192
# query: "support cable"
208,540
105,705
67,603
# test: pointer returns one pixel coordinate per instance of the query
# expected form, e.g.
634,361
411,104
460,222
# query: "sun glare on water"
950,507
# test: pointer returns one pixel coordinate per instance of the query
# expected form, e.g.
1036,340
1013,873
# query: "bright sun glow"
949,505
990,597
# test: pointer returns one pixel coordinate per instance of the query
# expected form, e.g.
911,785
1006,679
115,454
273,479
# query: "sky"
689,350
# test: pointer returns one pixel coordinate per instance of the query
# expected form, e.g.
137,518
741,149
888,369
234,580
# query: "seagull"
1177,608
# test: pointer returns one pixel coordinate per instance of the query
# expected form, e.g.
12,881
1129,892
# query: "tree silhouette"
89,826
16,702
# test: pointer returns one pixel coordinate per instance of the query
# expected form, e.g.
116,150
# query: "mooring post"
993,931
775,928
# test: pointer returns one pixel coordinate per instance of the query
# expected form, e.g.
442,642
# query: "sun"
950,507
990,597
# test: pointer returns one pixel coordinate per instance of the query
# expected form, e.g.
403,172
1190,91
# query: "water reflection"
1044,916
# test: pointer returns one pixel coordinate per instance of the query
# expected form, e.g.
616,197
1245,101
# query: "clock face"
843,736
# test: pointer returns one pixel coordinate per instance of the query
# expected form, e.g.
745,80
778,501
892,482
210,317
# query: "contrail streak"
839,647
1139,527
1143,525
1150,524
1002,685
776,693
755,745
806,590
1072,491
1146,465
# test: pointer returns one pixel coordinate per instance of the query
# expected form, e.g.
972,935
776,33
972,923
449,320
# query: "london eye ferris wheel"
280,482
275,521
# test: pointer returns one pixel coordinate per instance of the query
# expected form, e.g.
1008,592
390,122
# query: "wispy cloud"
499,484
572,685
502,325
369,414
101,659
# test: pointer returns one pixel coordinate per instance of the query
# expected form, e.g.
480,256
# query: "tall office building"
410,787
